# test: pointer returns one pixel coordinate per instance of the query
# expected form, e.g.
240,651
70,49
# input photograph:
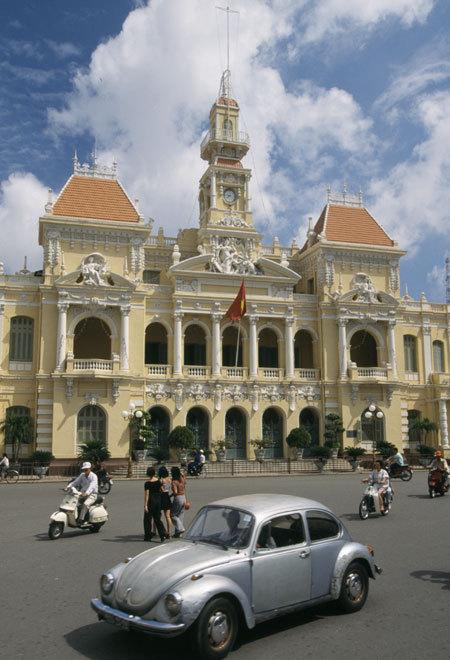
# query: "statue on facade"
229,259
362,285
93,270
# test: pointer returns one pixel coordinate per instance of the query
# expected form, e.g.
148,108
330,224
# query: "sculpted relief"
93,270
232,257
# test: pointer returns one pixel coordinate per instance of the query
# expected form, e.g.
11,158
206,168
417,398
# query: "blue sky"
331,92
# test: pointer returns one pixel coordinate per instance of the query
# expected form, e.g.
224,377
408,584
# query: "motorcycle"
402,472
369,502
104,482
196,469
67,515
437,482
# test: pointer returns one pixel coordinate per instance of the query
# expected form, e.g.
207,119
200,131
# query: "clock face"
229,196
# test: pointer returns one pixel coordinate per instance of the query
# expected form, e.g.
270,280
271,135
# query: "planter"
139,455
221,455
300,451
40,471
260,455
320,463
334,452
354,463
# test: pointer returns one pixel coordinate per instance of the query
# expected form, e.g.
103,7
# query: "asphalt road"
46,585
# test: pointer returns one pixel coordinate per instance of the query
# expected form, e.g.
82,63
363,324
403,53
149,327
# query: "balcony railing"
158,370
238,137
412,375
196,371
236,373
307,374
20,366
92,365
271,373
371,372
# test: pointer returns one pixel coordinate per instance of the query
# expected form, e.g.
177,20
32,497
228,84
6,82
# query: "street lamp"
369,414
129,415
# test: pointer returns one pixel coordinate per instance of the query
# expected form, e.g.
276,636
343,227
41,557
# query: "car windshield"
222,526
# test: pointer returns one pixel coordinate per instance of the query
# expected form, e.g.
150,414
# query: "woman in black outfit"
152,506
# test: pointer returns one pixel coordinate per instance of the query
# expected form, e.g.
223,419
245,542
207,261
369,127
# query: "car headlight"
173,603
107,582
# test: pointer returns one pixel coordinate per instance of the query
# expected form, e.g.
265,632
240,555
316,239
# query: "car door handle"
304,553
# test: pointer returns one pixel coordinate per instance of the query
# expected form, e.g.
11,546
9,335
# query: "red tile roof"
349,224
96,198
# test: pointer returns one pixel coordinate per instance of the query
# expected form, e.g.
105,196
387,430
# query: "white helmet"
86,466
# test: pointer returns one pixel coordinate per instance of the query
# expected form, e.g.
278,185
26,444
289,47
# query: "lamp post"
129,415
369,414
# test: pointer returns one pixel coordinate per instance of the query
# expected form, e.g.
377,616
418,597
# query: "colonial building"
121,317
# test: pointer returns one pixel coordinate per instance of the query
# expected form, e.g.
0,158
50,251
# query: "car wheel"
55,530
363,510
354,588
215,630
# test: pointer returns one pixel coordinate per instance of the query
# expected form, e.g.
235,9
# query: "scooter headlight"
107,582
173,603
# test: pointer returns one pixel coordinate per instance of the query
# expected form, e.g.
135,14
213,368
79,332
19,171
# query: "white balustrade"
20,366
270,373
226,135
92,365
307,374
196,371
371,372
234,372
158,369
411,375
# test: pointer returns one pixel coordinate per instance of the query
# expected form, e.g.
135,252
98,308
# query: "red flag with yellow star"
238,307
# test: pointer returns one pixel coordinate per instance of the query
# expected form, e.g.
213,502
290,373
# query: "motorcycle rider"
87,483
439,463
4,465
379,479
397,461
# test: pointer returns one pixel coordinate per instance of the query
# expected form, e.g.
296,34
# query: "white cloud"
22,199
414,197
63,49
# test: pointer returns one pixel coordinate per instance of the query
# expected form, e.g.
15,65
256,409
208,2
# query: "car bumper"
127,621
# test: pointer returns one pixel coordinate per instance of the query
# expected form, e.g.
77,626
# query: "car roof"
262,505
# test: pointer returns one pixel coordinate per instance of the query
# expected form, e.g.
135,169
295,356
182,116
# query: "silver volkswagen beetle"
243,560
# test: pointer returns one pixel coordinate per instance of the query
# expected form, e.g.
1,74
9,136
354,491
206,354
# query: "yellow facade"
122,316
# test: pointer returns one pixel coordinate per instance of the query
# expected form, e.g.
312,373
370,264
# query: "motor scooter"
369,503
104,482
437,482
67,514
402,472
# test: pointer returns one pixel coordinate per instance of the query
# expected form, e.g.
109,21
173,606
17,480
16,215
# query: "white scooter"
370,504
68,512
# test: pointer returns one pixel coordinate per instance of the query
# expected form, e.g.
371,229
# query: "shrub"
425,450
299,438
139,444
42,456
94,451
333,430
386,449
320,451
158,454
181,438
354,452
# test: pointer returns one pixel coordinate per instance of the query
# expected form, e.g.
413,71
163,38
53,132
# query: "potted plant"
333,432
260,449
426,454
220,448
386,449
321,454
299,439
94,451
424,427
181,439
353,454
41,459
139,449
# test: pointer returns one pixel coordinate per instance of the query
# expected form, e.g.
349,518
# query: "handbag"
187,505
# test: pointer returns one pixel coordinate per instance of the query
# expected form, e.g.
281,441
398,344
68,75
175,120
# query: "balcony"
270,373
16,365
306,374
234,373
371,373
238,139
440,378
412,376
93,365
196,371
158,370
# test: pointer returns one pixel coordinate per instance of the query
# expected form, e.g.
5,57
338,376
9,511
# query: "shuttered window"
21,339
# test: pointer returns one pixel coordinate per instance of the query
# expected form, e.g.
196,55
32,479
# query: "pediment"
375,297
261,269
111,280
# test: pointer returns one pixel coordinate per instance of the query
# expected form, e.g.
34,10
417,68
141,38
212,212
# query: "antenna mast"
225,83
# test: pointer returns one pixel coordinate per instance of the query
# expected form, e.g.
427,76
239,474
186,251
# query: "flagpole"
237,344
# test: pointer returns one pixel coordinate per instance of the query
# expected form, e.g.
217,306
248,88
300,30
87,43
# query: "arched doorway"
92,340
229,343
160,425
372,426
363,349
155,344
235,430
303,350
197,421
91,425
272,430
195,346
268,348
309,419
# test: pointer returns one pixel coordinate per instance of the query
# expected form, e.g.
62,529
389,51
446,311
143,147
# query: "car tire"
363,510
214,633
55,530
354,588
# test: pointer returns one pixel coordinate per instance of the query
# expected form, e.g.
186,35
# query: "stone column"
61,336
248,199
289,347
391,348
177,343
216,357
213,190
2,311
253,362
427,356
125,337
443,422
342,323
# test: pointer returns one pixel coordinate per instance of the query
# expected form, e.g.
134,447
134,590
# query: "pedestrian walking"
166,504
179,500
152,506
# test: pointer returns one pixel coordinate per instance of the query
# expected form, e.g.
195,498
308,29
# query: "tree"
181,439
142,429
299,438
424,426
18,430
333,430
94,451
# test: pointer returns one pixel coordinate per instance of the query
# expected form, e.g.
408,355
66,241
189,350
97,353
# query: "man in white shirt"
87,483
4,465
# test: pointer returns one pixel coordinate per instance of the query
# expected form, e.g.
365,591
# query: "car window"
321,525
281,532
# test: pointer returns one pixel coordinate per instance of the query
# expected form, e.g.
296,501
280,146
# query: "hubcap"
354,586
218,628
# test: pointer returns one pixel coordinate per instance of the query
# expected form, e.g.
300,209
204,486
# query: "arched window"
309,419
229,343
438,357
91,425
21,339
409,348
372,426
303,350
414,435
235,431
155,344
363,349
197,421
195,346
160,425
227,126
92,340
268,348
272,429
14,443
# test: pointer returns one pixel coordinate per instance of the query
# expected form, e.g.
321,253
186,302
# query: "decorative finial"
328,194
176,255
49,205
136,204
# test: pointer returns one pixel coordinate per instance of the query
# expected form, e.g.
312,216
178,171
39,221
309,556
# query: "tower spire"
225,81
